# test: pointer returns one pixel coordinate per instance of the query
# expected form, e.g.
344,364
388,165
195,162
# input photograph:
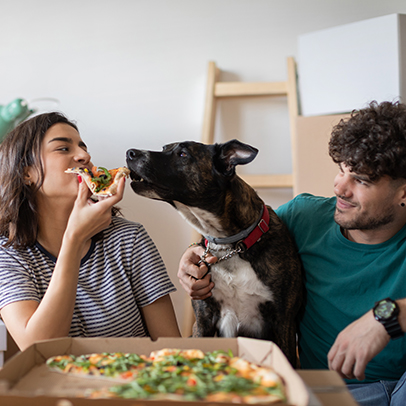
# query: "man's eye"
362,182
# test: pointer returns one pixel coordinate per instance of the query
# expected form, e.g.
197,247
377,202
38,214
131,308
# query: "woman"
68,265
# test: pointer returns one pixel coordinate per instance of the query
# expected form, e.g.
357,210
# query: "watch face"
384,309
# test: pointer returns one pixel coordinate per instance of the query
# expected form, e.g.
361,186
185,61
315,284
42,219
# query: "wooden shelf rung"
269,181
233,89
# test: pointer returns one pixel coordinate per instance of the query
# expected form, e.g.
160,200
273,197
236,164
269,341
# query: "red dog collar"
261,228
247,237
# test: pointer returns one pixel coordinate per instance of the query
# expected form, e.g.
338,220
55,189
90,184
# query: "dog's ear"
233,153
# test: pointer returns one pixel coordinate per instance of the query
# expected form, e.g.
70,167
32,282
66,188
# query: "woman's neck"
53,219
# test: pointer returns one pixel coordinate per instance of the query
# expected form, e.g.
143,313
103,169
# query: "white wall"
132,73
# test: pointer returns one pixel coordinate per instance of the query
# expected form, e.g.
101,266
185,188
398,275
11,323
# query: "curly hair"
372,141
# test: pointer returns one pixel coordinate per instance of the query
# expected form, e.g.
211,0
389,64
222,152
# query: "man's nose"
341,186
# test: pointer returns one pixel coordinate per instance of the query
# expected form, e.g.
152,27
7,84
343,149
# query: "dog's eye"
183,154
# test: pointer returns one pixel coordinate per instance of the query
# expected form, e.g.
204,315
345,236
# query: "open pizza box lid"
26,375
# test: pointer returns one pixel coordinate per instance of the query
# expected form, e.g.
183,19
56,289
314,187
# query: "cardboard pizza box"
26,380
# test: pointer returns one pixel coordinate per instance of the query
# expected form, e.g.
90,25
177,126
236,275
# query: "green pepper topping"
102,179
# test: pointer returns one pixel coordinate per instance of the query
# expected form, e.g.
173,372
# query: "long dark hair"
22,149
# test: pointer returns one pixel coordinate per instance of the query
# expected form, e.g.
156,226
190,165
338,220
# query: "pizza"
101,182
117,366
174,374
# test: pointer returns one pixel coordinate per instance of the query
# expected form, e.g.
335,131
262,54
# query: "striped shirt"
121,273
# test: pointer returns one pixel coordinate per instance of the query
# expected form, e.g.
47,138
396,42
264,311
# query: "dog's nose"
131,154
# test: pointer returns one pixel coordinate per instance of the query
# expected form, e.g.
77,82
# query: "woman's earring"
402,204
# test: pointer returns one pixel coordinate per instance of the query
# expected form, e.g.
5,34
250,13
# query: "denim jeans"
383,393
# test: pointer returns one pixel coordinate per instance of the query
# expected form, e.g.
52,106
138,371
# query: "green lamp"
13,114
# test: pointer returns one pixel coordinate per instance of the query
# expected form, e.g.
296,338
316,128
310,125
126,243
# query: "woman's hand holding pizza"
88,217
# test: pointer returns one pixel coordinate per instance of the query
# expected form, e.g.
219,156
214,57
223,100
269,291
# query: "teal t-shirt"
343,281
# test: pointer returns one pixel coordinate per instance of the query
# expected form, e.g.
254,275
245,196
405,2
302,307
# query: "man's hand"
194,278
356,345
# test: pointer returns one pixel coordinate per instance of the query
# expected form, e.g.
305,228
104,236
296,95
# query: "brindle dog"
258,291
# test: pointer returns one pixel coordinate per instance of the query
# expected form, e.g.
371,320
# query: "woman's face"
61,148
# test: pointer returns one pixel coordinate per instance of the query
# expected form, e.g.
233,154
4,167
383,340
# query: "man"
353,249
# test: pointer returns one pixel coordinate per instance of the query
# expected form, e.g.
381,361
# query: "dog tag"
202,261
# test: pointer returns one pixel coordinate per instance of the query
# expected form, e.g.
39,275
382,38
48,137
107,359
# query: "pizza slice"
101,182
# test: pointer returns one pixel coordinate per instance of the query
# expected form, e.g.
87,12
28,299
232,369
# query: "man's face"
363,204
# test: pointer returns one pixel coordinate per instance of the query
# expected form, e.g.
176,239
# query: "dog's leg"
280,328
207,315
228,324
289,343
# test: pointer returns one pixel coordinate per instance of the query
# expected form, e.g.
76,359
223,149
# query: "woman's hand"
88,217
194,278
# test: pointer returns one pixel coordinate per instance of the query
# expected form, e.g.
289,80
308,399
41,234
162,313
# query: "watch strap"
393,328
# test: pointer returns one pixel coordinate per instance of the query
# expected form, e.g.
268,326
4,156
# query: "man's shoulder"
309,202
308,198
306,211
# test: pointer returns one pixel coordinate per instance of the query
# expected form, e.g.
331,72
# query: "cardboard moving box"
315,170
26,380
344,68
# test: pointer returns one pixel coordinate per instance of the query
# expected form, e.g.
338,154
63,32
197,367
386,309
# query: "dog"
258,289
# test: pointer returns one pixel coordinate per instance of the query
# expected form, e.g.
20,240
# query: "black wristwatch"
386,312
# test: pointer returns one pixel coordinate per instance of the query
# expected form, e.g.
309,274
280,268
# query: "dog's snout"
132,154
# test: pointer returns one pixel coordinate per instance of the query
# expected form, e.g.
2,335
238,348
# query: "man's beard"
364,221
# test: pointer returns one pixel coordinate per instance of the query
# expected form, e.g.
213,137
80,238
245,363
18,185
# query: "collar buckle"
240,246
263,226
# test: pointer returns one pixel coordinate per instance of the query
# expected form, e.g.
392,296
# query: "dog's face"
191,173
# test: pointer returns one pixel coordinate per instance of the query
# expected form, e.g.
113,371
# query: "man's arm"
358,343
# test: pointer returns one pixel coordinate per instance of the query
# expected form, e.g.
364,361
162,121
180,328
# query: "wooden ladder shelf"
216,90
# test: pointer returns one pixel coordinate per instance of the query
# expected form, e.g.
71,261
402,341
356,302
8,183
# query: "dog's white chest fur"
237,287
239,292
